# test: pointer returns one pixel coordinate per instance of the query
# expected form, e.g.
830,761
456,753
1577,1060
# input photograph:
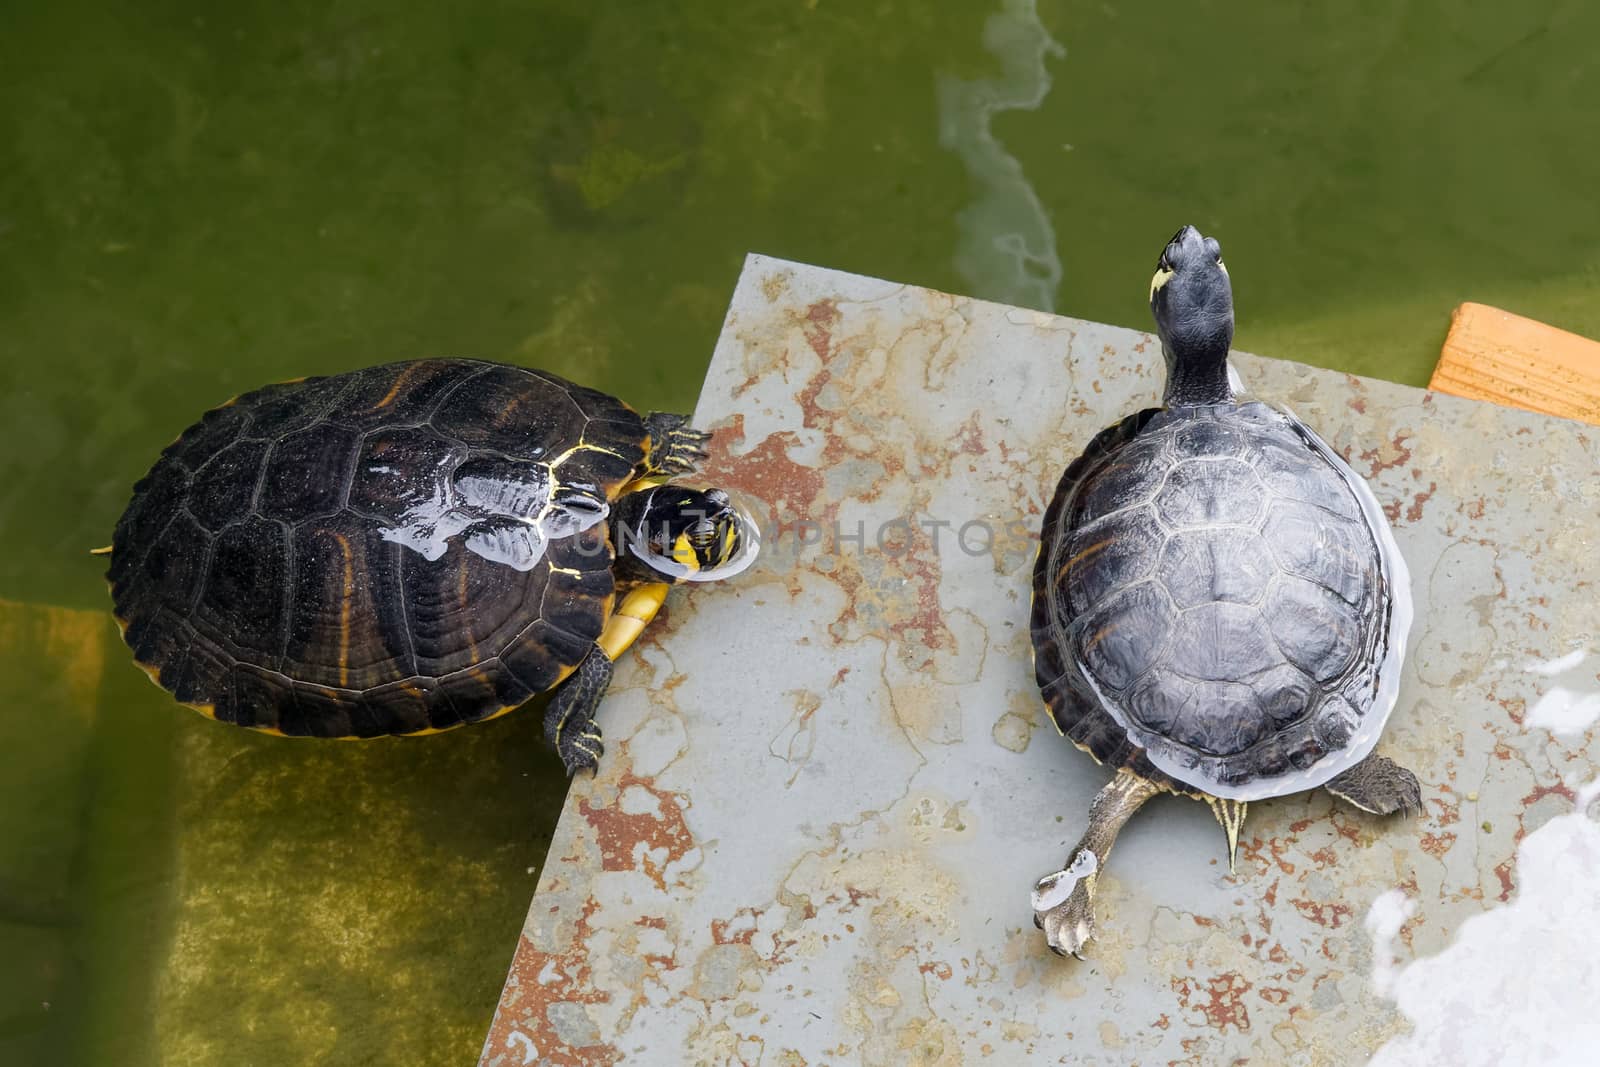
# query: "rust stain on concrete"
643,829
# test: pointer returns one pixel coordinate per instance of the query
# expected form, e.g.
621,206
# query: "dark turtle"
411,547
1219,607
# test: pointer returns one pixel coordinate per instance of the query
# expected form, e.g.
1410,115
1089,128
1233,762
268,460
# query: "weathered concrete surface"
830,785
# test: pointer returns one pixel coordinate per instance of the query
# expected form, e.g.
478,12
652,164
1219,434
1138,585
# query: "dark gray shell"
1213,603
395,550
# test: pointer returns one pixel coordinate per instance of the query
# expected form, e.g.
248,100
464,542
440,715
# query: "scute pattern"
226,484
1205,492
256,572
1104,557
308,473
343,574
1317,633
1126,635
401,469
1219,641
1320,547
1133,477
1280,462
1229,605
1200,568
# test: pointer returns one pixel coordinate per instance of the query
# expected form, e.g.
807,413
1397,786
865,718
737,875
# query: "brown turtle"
410,547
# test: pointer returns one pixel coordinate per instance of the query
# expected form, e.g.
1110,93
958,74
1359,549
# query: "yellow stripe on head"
683,554
1158,279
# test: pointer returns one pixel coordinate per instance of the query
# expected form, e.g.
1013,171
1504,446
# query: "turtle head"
1192,301
678,534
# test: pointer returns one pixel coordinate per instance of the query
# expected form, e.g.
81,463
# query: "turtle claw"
675,446
689,449
685,451
582,748
1066,936
1063,905
569,722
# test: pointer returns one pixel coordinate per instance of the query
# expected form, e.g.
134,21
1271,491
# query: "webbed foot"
1063,905
675,446
1380,785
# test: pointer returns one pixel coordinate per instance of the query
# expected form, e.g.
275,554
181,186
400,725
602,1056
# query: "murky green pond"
192,203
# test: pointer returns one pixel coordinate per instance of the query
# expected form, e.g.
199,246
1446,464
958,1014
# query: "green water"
192,204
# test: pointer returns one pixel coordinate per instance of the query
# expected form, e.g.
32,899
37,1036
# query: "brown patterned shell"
329,557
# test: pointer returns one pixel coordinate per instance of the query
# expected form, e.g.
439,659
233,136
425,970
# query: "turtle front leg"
1063,902
1380,785
569,722
675,446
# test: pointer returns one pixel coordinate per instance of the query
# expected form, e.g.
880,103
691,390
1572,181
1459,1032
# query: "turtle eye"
1214,248
703,533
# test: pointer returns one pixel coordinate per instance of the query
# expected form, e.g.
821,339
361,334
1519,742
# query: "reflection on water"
194,202
1007,249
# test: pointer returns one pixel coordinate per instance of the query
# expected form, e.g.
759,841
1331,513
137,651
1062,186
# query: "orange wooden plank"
1494,355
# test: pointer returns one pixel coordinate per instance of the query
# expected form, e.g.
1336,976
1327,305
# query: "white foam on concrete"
1519,984
1571,704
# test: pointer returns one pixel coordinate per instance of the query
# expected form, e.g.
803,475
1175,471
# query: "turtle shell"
1218,603
395,550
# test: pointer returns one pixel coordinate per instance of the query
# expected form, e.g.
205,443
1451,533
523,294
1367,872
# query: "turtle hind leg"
569,722
675,446
1380,785
1063,901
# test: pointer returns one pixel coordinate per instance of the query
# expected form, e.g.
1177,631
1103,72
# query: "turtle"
1220,608
410,547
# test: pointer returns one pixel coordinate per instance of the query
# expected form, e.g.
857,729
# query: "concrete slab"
830,785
